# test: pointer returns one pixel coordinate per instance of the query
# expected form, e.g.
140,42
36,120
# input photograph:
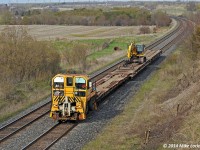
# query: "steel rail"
17,125
50,137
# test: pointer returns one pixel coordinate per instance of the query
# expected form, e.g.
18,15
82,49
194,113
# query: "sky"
45,1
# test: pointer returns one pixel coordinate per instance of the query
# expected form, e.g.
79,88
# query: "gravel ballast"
25,112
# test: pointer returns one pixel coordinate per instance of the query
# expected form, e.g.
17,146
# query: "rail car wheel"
145,59
142,60
126,63
92,104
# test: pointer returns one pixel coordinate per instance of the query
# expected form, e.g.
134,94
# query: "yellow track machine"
72,96
136,53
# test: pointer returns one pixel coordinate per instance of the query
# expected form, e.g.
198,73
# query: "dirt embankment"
180,117
176,112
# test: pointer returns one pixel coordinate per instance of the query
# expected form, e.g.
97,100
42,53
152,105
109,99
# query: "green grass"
94,44
122,43
106,64
62,45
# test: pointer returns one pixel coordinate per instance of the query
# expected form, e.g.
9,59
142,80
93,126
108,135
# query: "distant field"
173,9
50,32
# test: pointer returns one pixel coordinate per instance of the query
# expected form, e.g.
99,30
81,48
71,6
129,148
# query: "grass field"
51,32
176,10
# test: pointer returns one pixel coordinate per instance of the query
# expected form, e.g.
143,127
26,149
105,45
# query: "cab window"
69,81
80,83
140,48
58,83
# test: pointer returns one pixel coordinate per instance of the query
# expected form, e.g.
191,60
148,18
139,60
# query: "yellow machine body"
72,96
136,53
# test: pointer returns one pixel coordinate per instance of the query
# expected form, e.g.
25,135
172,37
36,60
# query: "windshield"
140,48
58,82
80,83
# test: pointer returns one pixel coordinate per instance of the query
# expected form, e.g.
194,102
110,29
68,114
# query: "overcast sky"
45,1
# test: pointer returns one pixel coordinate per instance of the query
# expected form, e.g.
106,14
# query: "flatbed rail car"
116,77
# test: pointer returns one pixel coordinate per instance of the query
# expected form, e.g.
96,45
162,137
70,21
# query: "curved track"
163,44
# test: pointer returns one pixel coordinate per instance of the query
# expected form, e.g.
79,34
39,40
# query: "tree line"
82,16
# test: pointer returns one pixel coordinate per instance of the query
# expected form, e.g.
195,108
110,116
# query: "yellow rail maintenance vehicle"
136,53
72,96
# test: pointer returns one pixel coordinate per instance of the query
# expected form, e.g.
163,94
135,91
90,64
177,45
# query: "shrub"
161,19
22,59
105,45
144,30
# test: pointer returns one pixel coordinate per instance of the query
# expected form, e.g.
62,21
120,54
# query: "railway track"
46,140
19,124
104,84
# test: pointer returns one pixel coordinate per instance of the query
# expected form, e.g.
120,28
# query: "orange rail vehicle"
72,96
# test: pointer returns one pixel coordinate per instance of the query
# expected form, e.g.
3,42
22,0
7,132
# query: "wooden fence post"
177,110
147,135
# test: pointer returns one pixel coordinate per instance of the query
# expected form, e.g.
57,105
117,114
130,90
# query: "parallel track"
49,138
19,124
